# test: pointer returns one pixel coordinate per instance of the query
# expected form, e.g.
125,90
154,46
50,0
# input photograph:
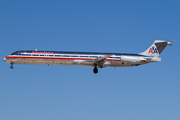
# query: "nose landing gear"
11,66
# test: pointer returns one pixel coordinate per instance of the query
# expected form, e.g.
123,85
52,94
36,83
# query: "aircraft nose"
4,59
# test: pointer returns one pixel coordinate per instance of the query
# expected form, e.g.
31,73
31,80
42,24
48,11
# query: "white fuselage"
77,58
92,59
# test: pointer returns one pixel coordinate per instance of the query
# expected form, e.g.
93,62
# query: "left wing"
99,62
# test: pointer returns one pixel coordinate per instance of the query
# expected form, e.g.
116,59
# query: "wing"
99,62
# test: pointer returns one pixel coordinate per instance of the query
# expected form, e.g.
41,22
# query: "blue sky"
73,92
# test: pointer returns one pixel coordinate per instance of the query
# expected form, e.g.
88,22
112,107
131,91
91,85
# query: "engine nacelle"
131,59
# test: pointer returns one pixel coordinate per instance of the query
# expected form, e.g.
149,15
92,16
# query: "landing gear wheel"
95,70
11,67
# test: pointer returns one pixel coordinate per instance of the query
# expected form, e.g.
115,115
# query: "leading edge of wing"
98,61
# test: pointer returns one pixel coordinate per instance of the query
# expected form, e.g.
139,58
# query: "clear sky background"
41,92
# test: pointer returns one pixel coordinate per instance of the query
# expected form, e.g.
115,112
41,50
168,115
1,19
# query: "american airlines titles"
35,52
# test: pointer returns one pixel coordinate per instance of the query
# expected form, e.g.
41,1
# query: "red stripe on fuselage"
67,58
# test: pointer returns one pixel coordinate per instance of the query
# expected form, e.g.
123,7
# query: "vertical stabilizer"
156,48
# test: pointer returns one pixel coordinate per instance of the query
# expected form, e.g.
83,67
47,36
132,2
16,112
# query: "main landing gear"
95,70
11,66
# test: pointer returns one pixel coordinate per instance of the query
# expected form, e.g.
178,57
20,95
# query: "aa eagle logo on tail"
153,50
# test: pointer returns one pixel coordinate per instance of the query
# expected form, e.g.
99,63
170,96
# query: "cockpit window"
14,53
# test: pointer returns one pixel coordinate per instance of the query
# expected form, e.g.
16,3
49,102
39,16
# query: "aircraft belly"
16,61
122,64
41,61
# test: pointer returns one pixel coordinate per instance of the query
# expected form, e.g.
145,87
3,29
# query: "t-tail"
156,48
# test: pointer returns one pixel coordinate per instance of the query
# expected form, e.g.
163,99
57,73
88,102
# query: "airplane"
92,59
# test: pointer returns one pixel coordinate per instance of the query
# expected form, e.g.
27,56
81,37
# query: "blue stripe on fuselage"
79,53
